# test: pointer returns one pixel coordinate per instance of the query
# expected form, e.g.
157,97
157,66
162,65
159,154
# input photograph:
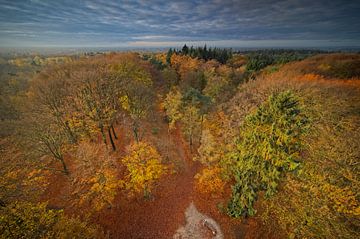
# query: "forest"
119,144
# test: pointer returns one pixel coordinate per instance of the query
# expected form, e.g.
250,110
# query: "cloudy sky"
143,23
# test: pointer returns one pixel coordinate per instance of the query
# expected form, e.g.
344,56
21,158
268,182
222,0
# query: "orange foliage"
184,64
95,179
311,77
209,181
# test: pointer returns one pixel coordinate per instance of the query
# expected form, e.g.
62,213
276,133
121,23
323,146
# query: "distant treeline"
219,54
259,59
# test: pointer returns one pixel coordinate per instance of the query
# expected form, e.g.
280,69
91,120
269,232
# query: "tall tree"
41,136
95,101
136,94
185,50
268,146
51,90
168,55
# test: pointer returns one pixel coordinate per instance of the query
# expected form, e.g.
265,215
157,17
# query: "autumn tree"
136,94
184,64
194,97
40,136
107,89
173,106
191,123
170,76
215,140
144,168
193,79
321,199
220,83
50,90
95,181
95,97
196,106
189,109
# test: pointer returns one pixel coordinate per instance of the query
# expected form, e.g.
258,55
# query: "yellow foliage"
124,101
343,199
20,179
324,67
103,189
144,167
209,151
132,70
27,220
161,57
172,106
237,60
79,123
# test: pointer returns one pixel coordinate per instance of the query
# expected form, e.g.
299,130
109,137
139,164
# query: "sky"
156,23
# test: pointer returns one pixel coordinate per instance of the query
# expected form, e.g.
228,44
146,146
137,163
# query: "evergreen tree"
192,51
169,54
268,146
221,55
185,50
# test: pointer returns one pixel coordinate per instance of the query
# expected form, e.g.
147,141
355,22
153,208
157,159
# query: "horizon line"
271,43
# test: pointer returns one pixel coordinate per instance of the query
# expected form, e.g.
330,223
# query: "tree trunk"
135,130
201,127
73,139
191,142
65,169
103,134
113,131
111,140
146,193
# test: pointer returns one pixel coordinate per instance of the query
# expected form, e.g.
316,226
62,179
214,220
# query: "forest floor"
164,213
160,216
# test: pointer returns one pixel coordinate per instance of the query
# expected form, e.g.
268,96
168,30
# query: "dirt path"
198,226
162,216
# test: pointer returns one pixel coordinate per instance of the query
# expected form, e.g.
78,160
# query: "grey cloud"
126,21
